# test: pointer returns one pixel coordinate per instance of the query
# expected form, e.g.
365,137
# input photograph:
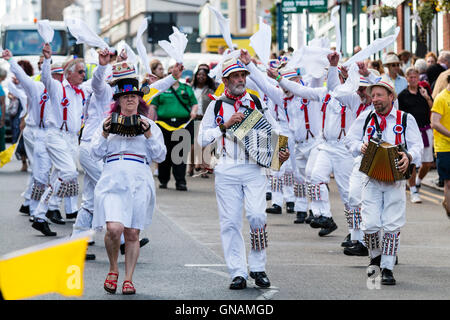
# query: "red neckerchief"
383,119
361,108
78,91
286,99
237,100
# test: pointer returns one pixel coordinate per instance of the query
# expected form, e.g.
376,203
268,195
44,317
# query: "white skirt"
125,193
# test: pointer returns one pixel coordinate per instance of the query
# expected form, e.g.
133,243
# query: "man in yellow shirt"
440,122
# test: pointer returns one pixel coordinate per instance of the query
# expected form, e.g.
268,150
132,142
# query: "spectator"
433,73
290,51
440,122
405,59
392,62
441,83
2,110
421,66
203,86
157,68
220,50
376,65
416,101
175,108
444,59
356,49
430,58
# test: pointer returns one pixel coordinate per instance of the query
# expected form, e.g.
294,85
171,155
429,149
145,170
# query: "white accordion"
261,143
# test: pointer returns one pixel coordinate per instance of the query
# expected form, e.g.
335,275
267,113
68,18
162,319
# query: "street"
184,259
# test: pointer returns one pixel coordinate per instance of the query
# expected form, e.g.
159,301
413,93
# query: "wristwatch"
222,128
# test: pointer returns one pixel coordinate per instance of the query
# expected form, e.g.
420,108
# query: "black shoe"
328,227
90,256
142,243
268,196
55,216
43,227
261,279
396,260
276,209
347,242
357,249
25,210
238,283
374,262
290,207
163,185
301,216
181,187
31,219
91,243
72,215
310,217
387,277
317,222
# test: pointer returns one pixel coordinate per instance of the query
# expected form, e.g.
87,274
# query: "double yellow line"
435,198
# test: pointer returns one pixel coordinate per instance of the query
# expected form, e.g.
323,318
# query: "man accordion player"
390,142
240,182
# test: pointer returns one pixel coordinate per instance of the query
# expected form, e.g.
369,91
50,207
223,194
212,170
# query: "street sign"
297,6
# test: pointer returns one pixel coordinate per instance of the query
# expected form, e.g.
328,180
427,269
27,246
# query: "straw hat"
385,83
232,65
390,59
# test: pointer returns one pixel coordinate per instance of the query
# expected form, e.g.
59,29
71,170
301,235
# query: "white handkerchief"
374,47
81,31
337,29
224,26
132,58
45,30
175,48
261,41
312,59
140,46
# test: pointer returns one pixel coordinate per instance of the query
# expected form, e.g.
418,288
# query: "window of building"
242,14
224,8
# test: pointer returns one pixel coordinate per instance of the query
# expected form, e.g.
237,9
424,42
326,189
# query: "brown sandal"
128,287
111,282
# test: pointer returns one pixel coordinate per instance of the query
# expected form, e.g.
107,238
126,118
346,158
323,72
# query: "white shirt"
210,132
55,109
355,137
152,148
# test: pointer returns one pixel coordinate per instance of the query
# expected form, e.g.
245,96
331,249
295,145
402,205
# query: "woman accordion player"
128,142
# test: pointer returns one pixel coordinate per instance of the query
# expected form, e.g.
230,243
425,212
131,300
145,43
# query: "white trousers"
354,201
239,187
62,148
383,210
93,170
331,158
28,139
305,157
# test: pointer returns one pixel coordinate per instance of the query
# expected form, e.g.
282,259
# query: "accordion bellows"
380,162
126,126
260,142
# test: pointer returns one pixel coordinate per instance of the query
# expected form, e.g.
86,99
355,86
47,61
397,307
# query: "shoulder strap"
179,100
217,107
367,122
404,122
257,102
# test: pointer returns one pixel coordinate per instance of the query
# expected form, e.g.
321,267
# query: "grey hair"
3,73
421,65
411,70
444,55
71,65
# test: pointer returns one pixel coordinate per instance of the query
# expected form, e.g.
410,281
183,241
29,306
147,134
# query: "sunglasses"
395,64
81,71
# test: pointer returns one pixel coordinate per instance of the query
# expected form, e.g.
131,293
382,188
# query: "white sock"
413,189
418,181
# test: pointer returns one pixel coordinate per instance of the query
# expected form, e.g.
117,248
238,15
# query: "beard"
381,108
237,89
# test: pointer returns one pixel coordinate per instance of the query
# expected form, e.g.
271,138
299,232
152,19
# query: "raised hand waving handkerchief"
132,58
224,26
81,31
350,85
313,59
261,41
140,45
377,45
175,48
45,30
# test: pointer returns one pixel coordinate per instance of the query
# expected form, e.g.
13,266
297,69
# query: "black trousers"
172,161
